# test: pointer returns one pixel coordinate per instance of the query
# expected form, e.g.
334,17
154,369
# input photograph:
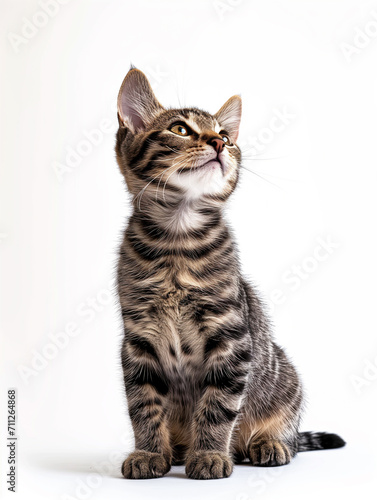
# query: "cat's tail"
308,441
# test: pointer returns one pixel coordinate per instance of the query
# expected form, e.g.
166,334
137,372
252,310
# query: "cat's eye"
180,129
226,139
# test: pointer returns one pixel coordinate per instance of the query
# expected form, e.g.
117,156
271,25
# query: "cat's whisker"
252,158
171,149
158,186
180,165
261,177
252,151
141,192
193,165
163,192
276,176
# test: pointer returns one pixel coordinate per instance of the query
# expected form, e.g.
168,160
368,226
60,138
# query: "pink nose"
217,144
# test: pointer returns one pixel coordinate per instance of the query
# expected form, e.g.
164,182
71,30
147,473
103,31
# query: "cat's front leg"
223,385
147,387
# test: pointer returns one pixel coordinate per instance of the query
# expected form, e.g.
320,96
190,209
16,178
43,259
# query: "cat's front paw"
208,465
269,453
142,464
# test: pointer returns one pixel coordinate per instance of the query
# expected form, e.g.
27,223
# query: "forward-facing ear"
137,104
229,116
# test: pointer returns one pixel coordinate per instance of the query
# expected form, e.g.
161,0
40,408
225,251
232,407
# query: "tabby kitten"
205,382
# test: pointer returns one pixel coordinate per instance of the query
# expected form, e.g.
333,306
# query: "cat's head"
177,153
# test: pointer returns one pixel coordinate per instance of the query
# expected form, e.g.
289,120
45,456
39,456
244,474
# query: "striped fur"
206,383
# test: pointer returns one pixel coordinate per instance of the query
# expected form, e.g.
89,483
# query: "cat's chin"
207,179
213,164
209,164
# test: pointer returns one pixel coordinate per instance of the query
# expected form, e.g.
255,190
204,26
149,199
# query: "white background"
314,178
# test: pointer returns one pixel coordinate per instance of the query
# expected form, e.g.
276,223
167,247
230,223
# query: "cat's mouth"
213,163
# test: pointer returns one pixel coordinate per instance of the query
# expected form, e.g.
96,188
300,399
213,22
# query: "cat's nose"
217,143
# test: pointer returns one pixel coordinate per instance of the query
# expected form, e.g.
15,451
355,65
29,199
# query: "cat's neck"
180,217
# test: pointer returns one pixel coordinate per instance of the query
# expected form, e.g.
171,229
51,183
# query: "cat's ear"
229,116
137,104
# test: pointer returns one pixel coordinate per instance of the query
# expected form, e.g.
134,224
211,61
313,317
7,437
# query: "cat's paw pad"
269,453
145,465
208,465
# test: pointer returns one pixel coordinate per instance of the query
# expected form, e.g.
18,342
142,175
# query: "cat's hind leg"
268,443
269,452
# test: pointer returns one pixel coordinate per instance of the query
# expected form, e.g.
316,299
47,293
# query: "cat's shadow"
88,464
64,462
92,464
